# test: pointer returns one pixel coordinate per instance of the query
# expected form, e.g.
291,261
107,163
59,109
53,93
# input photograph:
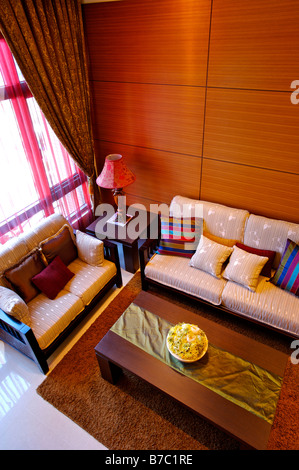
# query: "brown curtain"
46,38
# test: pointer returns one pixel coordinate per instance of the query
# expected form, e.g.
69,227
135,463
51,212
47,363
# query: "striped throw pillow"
179,237
287,274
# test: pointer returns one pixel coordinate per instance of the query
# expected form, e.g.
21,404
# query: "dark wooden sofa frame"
21,337
146,251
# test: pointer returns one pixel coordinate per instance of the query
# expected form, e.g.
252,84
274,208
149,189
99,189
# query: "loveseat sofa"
243,263
50,278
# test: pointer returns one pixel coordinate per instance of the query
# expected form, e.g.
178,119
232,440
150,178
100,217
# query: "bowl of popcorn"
186,342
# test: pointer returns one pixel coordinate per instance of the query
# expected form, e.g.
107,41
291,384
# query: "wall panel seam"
262,90
148,83
148,148
205,103
249,166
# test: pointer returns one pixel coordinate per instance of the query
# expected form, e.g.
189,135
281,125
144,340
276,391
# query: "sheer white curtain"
37,176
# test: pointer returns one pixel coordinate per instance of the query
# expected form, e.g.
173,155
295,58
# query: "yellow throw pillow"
222,241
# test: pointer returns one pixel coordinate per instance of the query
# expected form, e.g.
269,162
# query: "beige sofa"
263,302
49,280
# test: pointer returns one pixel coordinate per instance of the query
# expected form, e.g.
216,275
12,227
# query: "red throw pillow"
266,271
53,278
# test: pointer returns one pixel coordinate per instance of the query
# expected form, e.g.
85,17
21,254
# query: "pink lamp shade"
115,173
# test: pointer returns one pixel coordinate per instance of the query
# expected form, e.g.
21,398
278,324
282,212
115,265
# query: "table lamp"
116,175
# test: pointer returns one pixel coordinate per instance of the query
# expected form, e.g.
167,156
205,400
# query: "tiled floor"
27,422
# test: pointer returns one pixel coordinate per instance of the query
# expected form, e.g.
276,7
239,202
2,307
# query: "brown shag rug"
131,415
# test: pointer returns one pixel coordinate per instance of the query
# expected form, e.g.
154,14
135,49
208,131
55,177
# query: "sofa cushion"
267,304
266,271
60,244
89,280
14,305
49,318
12,252
270,234
20,275
210,256
219,220
90,249
179,236
18,247
43,230
244,268
51,280
174,271
287,274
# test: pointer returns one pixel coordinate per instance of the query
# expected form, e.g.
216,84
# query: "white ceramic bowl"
200,355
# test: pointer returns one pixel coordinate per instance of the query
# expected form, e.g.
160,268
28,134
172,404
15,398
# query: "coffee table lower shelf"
115,353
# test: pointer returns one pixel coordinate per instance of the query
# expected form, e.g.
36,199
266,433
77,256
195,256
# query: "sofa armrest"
146,251
21,337
12,325
111,254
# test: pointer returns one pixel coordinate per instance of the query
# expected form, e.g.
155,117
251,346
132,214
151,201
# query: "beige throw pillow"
210,256
90,249
244,268
12,304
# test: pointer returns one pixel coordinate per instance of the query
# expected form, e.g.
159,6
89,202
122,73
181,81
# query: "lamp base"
120,219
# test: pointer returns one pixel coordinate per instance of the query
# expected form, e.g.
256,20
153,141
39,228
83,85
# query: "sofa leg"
43,365
40,360
144,283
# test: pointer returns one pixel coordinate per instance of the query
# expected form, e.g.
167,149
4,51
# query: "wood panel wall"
195,94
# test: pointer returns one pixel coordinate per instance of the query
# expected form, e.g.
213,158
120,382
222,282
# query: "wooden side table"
128,237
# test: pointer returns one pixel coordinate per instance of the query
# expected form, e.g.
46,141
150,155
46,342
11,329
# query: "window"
37,176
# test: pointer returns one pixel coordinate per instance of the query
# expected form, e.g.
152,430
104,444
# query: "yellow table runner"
244,383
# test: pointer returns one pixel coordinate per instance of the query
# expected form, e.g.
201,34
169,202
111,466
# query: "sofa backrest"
270,234
45,229
18,247
11,252
219,220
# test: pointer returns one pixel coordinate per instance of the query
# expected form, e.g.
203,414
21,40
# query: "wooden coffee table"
115,353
